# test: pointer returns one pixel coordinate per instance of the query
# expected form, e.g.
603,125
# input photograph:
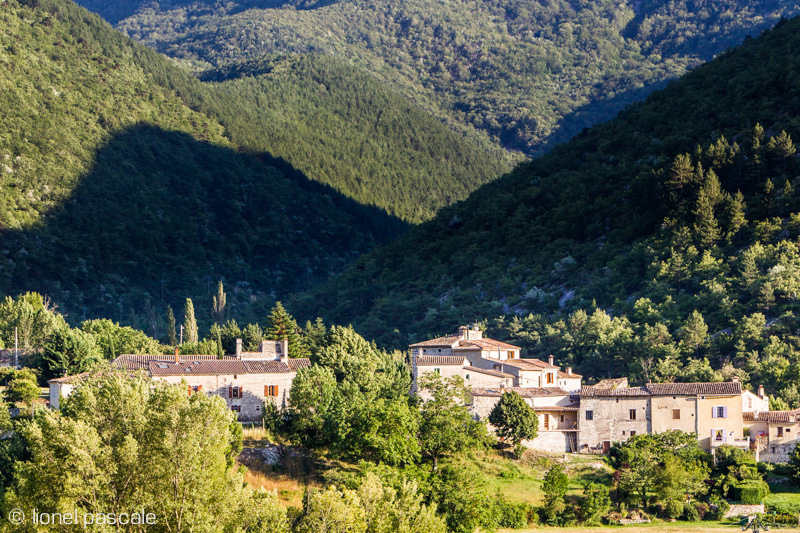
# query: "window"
270,390
235,376
436,371
780,432
236,408
633,433
466,377
632,414
719,411
589,415
676,414
510,354
546,421
562,418
234,392
719,435
549,378
749,402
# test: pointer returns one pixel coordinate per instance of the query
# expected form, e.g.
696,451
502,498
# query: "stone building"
245,380
611,414
556,409
776,433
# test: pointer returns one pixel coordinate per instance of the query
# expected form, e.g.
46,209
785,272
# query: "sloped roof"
440,360
220,367
529,364
590,392
774,417
484,344
726,388
448,341
611,383
77,378
137,362
494,373
525,392
563,374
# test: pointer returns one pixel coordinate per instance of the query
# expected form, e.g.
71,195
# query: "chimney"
177,357
569,370
735,379
761,391
550,360
238,348
463,332
285,350
263,346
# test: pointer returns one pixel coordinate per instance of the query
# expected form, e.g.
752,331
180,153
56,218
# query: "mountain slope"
617,216
116,197
527,74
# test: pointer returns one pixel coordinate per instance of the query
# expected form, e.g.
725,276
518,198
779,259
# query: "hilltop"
527,75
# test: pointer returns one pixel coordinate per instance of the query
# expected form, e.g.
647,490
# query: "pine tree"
218,304
281,325
735,218
189,322
172,339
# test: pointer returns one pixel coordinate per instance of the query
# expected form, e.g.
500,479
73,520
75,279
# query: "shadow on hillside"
163,216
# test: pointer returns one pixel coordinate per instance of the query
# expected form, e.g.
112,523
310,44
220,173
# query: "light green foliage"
219,301
462,496
69,351
33,316
349,355
23,388
313,398
446,427
402,510
333,511
514,419
595,504
252,335
119,445
281,325
5,418
554,487
189,323
114,339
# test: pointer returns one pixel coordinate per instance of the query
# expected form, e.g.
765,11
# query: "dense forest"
126,183
663,243
528,74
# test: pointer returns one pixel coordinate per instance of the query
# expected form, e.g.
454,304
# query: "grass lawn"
783,498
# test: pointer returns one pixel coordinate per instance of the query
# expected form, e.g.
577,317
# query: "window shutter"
714,412
199,388
725,412
230,392
275,390
266,390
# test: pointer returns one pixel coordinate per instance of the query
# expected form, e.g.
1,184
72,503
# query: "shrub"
691,514
752,492
673,509
512,515
717,510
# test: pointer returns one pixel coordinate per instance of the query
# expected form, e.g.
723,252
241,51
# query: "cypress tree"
171,337
218,304
189,322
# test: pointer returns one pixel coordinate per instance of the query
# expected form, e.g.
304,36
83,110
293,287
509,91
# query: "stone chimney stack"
569,370
463,332
238,348
761,391
550,360
177,356
285,350
735,379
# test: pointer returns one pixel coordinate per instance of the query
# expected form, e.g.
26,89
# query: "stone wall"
611,420
553,441
777,453
744,510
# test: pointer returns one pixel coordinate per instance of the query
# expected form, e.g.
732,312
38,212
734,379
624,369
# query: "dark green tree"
67,352
794,464
218,303
514,420
172,338
281,325
555,487
189,323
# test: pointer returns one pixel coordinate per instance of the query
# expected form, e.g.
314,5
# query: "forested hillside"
528,74
116,197
663,243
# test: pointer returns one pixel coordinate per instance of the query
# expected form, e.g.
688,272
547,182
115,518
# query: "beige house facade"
776,433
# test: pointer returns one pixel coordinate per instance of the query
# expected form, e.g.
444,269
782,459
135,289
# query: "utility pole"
16,350
181,342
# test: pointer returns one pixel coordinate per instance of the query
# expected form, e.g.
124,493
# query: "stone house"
245,381
776,433
611,414
556,409
456,365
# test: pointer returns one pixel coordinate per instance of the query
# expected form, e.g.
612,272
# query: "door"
606,446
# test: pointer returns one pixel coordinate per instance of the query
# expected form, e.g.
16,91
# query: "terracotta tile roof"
77,378
485,344
562,374
494,373
726,388
525,392
448,341
136,362
774,417
528,364
440,360
611,383
220,367
590,392
300,362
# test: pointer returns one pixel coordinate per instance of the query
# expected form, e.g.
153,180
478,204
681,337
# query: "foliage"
281,325
120,445
752,492
463,499
68,352
32,315
446,426
514,419
554,488
488,67
595,504
189,322
794,464
22,388
115,340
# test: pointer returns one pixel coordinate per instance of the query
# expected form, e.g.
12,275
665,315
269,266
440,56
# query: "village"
572,417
